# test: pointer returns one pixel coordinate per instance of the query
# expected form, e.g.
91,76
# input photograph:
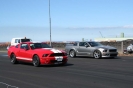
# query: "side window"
81,43
32,46
24,46
75,44
16,40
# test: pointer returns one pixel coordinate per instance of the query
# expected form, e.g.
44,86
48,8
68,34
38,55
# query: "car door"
83,48
24,52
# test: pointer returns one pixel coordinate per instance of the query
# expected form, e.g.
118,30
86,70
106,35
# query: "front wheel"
72,53
13,59
97,54
36,61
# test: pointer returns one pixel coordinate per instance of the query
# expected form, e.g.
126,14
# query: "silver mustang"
91,49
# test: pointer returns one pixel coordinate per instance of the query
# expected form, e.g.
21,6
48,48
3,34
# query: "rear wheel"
13,59
36,61
72,53
97,54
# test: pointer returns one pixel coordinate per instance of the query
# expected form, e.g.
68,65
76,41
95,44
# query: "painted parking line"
8,85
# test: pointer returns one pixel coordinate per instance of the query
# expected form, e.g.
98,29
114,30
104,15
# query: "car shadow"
53,65
118,57
57,65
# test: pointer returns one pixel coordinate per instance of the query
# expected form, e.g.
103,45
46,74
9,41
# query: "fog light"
104,50
107,54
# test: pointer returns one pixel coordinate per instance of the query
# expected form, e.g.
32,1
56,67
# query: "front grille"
112,50
53,61
112,55
57,54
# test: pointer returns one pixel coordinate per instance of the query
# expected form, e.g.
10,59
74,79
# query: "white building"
111,39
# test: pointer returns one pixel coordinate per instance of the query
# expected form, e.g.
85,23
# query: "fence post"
122,47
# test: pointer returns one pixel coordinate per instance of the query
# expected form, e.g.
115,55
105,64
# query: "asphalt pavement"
80,72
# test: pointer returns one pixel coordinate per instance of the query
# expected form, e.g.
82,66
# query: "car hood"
48,50
106,47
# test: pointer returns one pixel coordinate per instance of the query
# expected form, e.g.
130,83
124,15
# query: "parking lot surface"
80,72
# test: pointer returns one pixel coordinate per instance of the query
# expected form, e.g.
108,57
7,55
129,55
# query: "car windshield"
93,44
39,45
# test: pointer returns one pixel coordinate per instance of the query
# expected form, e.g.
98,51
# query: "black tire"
129,52
97,54
36,61
72,53
13,59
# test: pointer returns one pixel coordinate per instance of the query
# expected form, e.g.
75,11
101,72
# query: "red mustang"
38,53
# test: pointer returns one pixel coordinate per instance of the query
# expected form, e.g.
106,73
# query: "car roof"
20,38
85,41
32,42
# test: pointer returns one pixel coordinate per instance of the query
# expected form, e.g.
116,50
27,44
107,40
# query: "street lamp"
50,22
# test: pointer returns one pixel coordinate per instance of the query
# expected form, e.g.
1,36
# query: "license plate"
59,59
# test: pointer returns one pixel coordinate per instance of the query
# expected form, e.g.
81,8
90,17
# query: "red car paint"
46,55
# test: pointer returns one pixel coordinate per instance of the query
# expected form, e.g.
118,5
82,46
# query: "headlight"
105,50
44,55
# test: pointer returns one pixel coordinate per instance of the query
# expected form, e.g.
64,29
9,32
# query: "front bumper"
52,60
109,54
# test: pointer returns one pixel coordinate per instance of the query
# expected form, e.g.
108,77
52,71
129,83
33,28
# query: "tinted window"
39,45
75,44
25,40
93,44
82,43
24,46
16,40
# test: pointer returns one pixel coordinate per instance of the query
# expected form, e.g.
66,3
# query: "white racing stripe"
22,58
8,85
56,51
58,58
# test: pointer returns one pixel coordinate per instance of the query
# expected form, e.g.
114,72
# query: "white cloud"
128,26
92,27
106,27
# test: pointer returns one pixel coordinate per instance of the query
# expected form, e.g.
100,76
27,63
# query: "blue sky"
71,20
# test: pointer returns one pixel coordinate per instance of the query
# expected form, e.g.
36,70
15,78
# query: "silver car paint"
88,51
